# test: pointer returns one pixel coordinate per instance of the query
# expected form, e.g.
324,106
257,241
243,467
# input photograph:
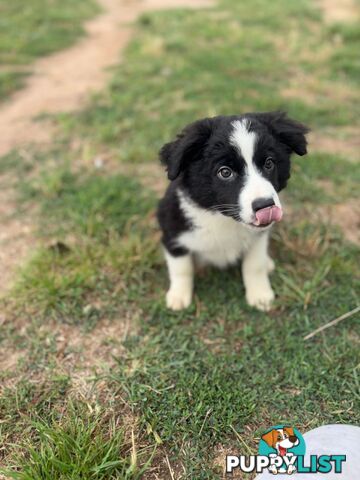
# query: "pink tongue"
267,215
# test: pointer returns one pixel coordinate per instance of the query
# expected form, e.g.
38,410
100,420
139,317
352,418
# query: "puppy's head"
281,438
236,165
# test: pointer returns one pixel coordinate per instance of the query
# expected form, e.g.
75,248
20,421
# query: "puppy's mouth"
262,219
266,216
282,451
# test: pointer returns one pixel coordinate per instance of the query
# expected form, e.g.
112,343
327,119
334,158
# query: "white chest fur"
215,239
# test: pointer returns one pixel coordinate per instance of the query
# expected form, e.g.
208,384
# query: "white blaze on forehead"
244,140
255,184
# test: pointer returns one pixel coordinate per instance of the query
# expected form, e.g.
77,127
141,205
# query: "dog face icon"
281,439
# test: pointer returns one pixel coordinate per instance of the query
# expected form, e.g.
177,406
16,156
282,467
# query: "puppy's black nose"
260,203
292,438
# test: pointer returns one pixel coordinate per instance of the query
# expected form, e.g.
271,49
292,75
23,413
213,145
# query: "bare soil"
340,141
339,10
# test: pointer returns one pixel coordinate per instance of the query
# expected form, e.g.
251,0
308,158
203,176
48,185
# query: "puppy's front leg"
181,274
255,270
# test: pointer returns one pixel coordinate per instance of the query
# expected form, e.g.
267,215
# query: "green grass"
10,81
77,445
91,221
33,29
93,206
220,372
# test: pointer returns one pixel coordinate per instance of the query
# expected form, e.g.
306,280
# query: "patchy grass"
237,61
323,178
217,374
34,29
345,63
220,367
92,206
99,238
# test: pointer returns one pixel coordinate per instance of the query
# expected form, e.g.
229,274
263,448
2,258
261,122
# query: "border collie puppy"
222,200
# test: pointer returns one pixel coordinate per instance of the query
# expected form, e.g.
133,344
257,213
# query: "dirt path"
61,83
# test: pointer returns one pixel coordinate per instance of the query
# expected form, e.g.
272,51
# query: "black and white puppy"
222,200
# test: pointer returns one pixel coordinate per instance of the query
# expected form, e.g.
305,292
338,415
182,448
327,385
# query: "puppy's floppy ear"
289,132
188,146
270,438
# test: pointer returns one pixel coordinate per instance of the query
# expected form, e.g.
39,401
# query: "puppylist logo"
282,450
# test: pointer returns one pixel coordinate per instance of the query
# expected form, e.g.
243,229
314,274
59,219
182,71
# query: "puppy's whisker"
225,210
233,209
224,205
221,205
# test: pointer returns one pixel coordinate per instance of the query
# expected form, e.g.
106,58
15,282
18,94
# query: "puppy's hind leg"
181,274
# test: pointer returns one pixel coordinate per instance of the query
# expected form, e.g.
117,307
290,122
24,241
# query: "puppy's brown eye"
225,173
269,164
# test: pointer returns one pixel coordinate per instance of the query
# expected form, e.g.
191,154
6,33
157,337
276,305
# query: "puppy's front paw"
177,299
273,470
260,299
291,469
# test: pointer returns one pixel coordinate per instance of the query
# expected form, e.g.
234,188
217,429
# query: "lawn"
102,381
35,28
